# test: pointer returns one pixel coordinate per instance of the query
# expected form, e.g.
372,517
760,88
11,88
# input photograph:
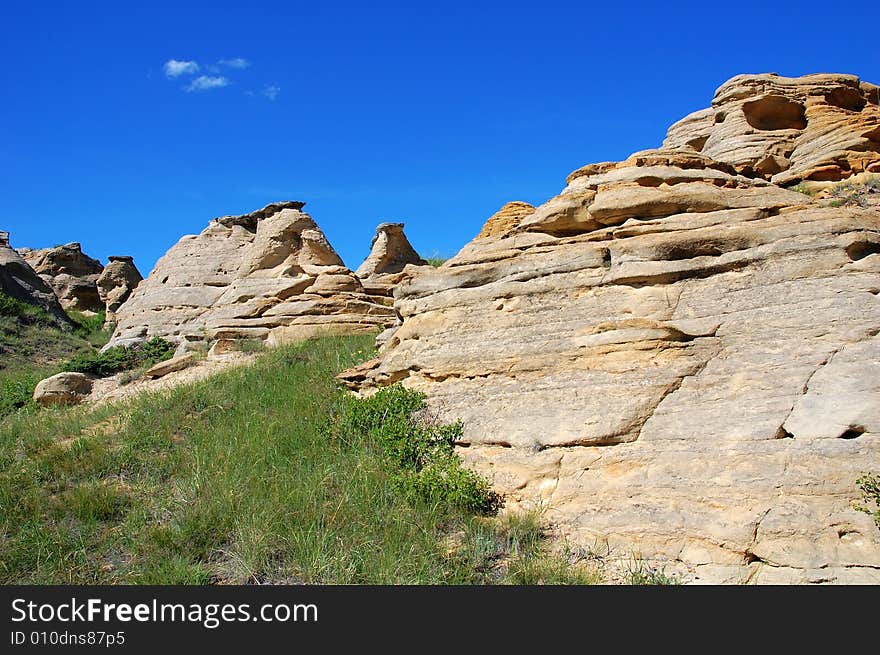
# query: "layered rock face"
71,273
118,279
675,356
19,280
270,274
390,255
817,127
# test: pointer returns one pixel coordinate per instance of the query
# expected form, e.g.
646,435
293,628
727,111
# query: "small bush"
420,453
23,312
121,358
870,486
641,573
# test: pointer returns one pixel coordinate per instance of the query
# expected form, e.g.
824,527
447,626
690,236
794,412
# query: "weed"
870,486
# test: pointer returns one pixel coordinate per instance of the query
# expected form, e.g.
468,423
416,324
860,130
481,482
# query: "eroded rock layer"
270,274
675,356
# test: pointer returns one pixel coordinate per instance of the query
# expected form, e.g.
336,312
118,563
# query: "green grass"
253,475
33,345
436,261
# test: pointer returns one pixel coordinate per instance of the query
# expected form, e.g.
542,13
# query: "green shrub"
23,312
870,486
420,453
121,358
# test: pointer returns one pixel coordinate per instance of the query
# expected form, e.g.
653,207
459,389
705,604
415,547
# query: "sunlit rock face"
677,355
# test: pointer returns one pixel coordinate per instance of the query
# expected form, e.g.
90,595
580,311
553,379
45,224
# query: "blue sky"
431,114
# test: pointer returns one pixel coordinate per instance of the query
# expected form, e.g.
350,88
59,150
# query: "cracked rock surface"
677,355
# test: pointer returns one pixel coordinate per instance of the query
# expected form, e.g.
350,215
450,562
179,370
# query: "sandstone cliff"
677,355
270,274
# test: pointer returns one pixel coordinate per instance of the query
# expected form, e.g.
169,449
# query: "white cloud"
238,62
174,68
272,92
205,82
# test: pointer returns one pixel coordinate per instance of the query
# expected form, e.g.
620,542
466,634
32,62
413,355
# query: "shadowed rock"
19,280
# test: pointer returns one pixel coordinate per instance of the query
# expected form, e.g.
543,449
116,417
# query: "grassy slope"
236,479
32,346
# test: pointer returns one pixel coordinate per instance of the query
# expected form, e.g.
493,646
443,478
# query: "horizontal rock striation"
676,355
269,274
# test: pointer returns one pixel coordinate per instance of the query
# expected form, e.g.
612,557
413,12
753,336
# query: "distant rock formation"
19,280
676,355
270,274
118,279
71,273
386,265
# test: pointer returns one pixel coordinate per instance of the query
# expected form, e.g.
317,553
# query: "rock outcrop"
390,255
270,274
71,273
677,355
19,280
118,279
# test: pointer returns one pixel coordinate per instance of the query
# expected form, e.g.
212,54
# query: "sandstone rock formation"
63,389
19,280
71,273
677,355
270,274
119,278
390,254
817,127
